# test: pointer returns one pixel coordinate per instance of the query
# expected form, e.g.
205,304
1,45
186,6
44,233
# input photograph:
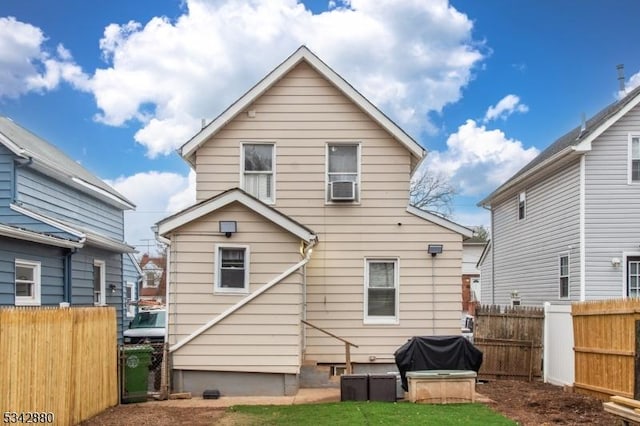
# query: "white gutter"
49,221
23,234
240,304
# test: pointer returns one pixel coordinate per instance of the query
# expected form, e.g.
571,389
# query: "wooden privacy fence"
61,361
606,339
510,339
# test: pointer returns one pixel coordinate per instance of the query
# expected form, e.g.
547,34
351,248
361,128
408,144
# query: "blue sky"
483,85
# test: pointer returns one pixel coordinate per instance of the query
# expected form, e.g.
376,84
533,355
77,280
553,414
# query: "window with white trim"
633,276
99,283
129,301
258,177
634,160
381,291
27,282
564,276
232,269
343,172
522,205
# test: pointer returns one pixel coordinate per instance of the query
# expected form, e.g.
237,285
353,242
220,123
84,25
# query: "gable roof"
188,150
51,161
203,208
578,140
439,220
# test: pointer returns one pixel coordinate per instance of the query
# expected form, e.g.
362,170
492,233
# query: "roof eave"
439,220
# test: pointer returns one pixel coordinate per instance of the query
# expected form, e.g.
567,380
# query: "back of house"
302,239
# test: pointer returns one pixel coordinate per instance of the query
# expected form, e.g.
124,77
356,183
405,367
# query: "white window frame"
218,264
630,181
328,146
625,255
522,198
34,300
273,168
377,320
568,276
103,283
130,310
156,278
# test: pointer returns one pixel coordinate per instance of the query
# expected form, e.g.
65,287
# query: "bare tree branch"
432,193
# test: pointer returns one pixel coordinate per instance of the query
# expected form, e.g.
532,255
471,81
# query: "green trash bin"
136,372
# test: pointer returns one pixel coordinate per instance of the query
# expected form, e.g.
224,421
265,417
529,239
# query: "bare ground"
533,403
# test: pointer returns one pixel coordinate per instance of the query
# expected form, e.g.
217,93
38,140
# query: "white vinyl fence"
559,363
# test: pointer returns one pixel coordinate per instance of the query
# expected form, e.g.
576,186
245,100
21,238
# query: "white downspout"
307,256
583,248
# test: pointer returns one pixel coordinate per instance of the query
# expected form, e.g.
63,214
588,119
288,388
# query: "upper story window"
564,276
634,160
522,205
27,281
232,269
343,172
258,174
381,291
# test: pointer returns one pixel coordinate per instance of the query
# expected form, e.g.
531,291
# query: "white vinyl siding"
27,282
612,208
258,170
232,269
525,253
99,283
381,291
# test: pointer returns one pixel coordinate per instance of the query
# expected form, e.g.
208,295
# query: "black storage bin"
354,387
382,387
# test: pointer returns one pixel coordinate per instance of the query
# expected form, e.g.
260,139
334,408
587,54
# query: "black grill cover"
437,353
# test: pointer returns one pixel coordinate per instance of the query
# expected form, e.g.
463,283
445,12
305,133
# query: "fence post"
636,372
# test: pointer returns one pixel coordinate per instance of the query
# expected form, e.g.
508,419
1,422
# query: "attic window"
522,205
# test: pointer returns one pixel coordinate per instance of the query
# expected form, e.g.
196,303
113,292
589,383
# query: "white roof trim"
193,213
23,234
17,150
484,254
189,148
102,192
438,220
49,221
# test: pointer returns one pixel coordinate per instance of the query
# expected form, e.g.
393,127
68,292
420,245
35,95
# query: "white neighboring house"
567,226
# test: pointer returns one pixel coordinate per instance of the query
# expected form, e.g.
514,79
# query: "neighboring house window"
129,306
343,172
27,281
633,279
258,160
233,269
635,159
150,279
381,288
522,205
99,283
564,276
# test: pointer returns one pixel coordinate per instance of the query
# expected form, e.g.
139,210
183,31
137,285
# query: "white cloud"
26,66
408,57
156,195
478,160
633,82
504,108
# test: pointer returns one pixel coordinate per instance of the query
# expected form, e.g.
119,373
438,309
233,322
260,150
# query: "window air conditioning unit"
342,190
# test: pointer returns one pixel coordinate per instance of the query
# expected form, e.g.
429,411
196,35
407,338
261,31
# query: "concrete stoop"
317,376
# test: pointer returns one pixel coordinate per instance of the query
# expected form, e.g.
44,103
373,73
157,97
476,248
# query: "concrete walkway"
304,396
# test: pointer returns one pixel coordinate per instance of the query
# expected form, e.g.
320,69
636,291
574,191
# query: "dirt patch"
539,403
527,403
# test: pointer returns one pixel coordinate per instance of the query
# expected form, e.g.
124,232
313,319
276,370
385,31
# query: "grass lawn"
369,413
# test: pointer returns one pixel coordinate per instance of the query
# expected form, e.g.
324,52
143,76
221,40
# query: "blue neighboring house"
61,229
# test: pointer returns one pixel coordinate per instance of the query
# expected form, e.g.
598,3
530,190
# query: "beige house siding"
262,336
300,115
